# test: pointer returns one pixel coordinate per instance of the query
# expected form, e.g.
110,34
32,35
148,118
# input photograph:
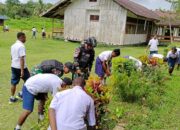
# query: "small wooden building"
117,22
2,19
167,20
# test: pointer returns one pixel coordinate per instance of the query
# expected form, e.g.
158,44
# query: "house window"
92,0
94,18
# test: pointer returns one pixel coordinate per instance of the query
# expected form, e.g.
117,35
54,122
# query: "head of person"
79,82
21,37
68,67
155,37
174,50
116,53
90,43
66,82
57,72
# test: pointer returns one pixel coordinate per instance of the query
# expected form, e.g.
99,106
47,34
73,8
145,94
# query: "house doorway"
92,23
167,33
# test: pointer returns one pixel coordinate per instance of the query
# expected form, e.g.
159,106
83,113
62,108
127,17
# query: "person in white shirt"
34,31
19,68
172,57
37,87
69,109
102,67
153,45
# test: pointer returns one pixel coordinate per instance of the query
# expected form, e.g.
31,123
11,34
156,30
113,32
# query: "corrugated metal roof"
127,4
3,17
137,9
61,5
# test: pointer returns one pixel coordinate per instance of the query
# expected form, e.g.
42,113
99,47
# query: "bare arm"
106,68
52,119
22,66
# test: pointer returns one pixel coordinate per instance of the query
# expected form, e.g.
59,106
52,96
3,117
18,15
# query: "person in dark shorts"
19,68
38,87
102,67
172,58
43,33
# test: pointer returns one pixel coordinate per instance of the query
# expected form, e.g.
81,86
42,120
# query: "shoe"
16,129
19,96
13,100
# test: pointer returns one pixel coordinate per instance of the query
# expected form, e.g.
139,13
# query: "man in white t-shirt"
69,109
37,87
34,31
18,66
153,45
102,67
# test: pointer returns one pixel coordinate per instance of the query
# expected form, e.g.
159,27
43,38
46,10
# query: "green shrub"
144,87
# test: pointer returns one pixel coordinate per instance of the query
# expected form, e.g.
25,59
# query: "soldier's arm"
92,60
76,57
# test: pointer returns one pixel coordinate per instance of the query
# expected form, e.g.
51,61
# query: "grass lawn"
167,117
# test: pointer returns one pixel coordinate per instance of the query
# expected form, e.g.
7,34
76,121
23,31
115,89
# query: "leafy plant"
131,85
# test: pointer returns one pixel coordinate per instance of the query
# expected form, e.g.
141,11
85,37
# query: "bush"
144,87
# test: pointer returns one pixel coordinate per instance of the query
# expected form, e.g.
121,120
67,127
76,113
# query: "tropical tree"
175,7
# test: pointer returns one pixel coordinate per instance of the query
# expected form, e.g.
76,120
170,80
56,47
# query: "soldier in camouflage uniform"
84,58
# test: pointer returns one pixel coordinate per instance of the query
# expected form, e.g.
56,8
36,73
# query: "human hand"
108,73
22,74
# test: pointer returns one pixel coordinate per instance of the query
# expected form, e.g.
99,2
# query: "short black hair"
67,81
174,48
70,66
19,34
117,52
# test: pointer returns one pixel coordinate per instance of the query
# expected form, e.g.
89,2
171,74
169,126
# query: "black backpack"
48,65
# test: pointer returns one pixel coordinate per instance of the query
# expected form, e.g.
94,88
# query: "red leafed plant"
101,97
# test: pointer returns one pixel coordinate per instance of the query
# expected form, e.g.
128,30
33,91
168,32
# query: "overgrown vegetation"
26,24
23,10
131,85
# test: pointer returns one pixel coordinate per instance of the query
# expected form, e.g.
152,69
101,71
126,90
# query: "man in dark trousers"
84,58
